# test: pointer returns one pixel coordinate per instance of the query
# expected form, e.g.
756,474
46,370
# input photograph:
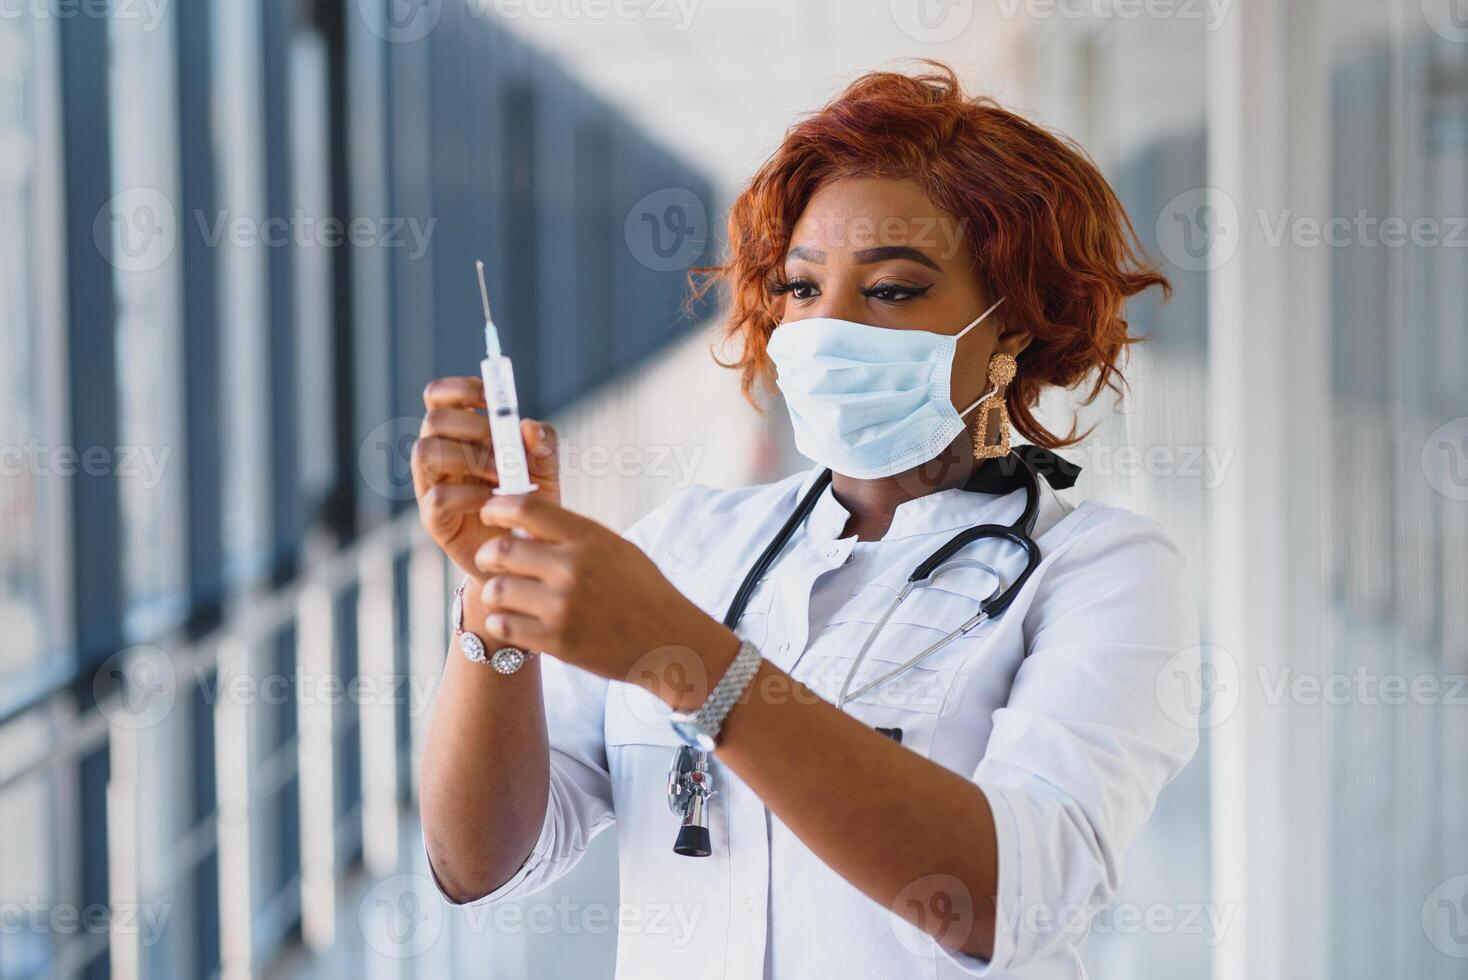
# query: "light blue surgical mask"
869,401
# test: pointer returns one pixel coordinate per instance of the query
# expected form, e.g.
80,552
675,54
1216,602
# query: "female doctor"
912,268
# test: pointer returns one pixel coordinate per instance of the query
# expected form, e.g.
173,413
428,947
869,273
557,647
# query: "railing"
313,697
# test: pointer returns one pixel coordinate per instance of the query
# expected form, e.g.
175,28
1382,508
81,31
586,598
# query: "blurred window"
243,268
146,229
29,450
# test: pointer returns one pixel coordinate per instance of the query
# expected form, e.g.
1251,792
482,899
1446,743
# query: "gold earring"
1001,373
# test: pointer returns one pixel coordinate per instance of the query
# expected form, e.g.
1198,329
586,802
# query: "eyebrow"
868,256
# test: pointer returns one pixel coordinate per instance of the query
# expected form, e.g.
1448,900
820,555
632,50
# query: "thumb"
542,448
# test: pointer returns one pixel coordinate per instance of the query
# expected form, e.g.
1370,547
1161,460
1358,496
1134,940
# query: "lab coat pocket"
908,706
635,717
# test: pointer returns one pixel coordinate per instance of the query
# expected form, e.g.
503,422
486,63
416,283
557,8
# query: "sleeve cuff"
513,886
1006,911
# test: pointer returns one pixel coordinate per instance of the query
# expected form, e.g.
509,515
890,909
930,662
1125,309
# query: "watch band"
505,660
701,728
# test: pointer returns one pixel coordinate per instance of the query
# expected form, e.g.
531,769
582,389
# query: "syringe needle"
483,291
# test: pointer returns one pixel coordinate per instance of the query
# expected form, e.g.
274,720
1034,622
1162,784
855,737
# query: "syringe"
504,408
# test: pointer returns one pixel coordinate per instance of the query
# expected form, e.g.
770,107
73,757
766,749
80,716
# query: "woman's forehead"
873,214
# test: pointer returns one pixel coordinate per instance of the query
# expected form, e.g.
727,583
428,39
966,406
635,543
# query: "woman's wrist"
684,687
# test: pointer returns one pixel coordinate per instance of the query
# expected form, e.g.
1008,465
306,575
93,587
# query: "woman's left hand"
589,597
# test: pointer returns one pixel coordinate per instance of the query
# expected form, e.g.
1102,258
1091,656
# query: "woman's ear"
1011,340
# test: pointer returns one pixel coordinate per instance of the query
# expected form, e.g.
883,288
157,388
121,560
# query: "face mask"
869,401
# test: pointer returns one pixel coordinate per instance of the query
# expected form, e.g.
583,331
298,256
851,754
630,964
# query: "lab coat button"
749,904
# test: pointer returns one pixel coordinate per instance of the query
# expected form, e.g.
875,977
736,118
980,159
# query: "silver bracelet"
506,659
701,728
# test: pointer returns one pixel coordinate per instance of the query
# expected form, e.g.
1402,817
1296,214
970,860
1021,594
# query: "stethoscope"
690,781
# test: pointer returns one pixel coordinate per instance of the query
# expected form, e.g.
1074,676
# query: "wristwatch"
506,659
700,728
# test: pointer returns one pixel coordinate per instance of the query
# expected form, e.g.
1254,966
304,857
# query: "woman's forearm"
486,770
899,827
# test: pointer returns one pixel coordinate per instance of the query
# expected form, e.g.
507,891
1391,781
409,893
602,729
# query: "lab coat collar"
951,509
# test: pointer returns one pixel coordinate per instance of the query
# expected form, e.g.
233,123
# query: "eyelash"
905,293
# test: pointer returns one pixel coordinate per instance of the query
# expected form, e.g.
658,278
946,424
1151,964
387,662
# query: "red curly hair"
1043,227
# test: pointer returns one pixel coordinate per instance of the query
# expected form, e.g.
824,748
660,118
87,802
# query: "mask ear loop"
978,319
994,389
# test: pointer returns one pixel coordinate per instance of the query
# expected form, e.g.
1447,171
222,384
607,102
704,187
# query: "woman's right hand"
453,467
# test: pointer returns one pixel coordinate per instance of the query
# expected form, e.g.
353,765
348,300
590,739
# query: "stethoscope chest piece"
690,784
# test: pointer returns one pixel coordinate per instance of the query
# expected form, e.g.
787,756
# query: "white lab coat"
1054,710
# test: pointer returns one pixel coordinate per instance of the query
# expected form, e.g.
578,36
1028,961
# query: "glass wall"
1398,548
1130,92
208,358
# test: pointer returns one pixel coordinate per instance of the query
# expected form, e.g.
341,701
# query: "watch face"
689,732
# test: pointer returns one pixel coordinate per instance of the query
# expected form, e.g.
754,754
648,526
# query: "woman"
905,253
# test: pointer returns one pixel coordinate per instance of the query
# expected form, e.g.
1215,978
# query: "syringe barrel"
504,426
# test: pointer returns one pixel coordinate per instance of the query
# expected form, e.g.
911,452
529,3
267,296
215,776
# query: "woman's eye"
894,293
798,288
